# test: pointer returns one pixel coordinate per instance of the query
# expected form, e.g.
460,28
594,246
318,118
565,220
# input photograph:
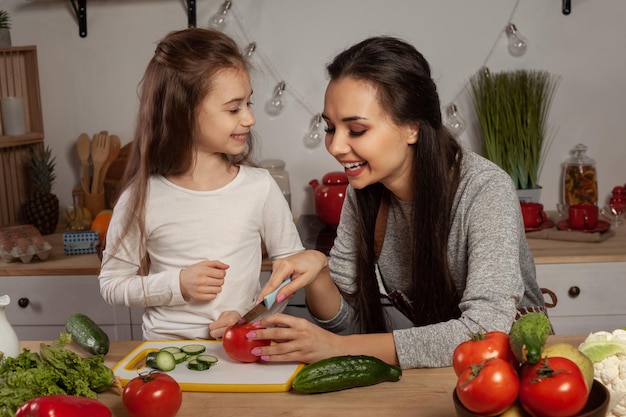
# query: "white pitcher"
9,343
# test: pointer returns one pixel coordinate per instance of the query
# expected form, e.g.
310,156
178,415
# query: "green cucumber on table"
343,372
87,334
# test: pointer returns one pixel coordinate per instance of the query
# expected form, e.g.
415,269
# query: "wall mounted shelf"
80,8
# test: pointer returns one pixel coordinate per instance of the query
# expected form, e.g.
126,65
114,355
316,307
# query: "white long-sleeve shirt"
184,227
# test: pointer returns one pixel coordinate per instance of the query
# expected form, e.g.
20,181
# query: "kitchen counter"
58,263
544,252
419,393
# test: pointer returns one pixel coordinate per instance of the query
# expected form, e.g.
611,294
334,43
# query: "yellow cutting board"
227,375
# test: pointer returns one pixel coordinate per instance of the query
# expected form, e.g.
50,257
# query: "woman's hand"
303,268
218,327
202,281
296,340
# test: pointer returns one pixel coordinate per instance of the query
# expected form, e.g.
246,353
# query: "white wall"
90,84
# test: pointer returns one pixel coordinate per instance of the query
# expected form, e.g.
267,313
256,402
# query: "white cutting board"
227,375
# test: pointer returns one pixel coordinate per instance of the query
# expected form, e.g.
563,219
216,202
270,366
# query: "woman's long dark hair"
405,89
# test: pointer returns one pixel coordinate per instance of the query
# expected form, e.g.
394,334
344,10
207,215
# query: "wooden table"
420,393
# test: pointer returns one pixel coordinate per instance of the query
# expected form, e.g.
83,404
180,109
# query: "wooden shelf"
19,77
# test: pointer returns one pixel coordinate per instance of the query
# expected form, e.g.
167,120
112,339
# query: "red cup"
583,216
533,214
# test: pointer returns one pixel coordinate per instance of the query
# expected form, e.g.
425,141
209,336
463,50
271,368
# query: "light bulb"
454,122
275,105
316,133
250,50
517,43
219,19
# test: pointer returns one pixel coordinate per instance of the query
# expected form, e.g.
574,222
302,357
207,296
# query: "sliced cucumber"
180,357
193,349
196,365
161,360
210,359
172,349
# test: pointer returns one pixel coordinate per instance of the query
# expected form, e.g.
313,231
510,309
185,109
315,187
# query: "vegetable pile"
54,370
607,351
516,374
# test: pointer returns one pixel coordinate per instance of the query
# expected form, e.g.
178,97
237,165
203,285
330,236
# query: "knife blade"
268,307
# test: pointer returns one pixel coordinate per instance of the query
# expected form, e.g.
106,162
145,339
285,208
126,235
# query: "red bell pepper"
62,406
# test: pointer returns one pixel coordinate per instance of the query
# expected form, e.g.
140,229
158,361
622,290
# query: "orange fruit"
100,224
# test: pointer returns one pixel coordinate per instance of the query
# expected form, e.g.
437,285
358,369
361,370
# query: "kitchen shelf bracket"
80,8
567,7
191,13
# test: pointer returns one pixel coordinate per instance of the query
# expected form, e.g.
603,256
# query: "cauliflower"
611,371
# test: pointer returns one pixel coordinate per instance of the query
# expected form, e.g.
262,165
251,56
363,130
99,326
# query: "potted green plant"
5,26
512,109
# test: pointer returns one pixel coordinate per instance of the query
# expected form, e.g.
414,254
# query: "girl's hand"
296,340
303,268
202,281
218,327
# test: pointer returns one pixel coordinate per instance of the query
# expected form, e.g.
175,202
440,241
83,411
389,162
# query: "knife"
267,307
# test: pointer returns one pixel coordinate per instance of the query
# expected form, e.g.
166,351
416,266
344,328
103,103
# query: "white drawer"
590,296
51,299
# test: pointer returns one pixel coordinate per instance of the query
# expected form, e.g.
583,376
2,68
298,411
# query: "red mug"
533,214
583,216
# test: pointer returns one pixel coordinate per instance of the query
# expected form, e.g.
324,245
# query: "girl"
193,210
431,227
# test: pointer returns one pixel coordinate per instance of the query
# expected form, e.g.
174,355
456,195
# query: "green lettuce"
54,370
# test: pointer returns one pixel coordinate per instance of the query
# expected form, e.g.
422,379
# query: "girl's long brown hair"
178,77
405,89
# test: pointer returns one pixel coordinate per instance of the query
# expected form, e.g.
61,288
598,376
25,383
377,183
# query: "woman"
433,227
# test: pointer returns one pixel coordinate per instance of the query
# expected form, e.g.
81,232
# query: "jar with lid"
276,167
580,183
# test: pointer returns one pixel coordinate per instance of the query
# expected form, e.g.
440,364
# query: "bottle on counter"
9,343
580,180
276,167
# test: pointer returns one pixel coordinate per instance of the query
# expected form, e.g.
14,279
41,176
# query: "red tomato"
238,346
480,347
152,394
488,388
554,387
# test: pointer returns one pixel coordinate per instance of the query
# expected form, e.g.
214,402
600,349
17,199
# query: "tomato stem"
546,371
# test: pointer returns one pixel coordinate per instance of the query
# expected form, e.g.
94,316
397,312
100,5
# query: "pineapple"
42,207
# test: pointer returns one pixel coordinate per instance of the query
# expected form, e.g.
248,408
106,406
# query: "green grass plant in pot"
5,26
512,109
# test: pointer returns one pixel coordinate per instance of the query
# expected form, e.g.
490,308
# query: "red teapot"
329,196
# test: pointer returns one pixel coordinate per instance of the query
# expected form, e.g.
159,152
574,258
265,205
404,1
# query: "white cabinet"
40,306
591,296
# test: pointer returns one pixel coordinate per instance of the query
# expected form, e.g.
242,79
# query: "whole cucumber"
343,372
87,334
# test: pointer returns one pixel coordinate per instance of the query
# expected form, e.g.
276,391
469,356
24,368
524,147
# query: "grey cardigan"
489,258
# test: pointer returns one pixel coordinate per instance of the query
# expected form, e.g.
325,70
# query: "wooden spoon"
83,145
114,149
99,154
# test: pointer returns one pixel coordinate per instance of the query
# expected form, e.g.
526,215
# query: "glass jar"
276,167
580,183
76,219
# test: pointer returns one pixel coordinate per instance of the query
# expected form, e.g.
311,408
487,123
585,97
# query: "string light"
517,46
276,104
219,19
454,121
316,133
517,42
250,49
